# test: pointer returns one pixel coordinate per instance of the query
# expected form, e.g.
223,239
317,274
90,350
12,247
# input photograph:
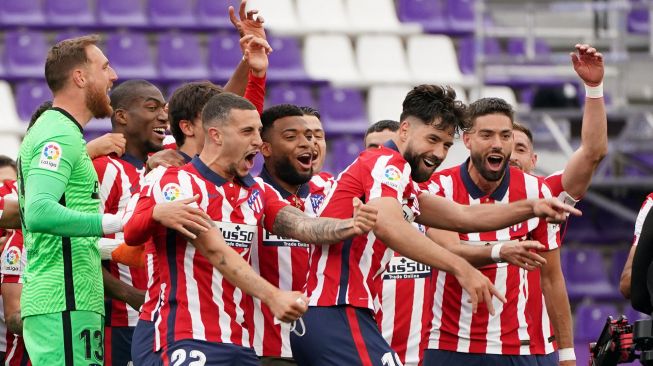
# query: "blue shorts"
118,346
189,352
340,335
434,357
548,360
142,350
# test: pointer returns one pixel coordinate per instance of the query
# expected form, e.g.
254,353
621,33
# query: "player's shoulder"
649,197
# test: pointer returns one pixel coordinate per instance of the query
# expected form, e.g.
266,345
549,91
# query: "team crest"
254,201
316,201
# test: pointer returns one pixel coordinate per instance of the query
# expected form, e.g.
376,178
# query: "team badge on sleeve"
391,176
11,261
50,156
171,192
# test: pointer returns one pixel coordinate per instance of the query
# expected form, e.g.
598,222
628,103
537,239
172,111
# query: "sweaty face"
291,150
319,142
147,120
523,156
100,80
490,144
376,139
426,147
241,141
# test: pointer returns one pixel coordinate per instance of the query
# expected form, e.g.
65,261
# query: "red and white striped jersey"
10,258
14,259
346,272
402,309
120,178
195,301
284,263
7,189
513,330
641,216
554,181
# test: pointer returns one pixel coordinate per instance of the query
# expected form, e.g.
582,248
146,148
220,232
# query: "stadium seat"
69,13
503,92
121,13
23,13
181,58
130,56
342,110
377,16
68,34
343,150
381,59
10,119
639,22
279,14
461,15
224,56
286,63
518,47
321,16
384,102
586,275
330,57
29,95
430,14
171,13
289,94
590,319
27,56
215,13
432,59
467,53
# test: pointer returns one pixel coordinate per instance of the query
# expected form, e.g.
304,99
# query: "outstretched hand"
521,254
553,210
364,217
256,52
588,63
245,22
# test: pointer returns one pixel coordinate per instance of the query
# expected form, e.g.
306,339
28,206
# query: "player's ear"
215,135
467,136
534,160
78,78
186,127
266,149
403,130
120,116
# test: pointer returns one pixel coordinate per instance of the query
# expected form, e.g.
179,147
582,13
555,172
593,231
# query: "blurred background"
354,60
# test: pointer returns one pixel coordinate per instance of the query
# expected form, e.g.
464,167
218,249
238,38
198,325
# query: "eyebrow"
151,99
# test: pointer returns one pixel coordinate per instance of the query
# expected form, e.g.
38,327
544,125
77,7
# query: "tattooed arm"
293,223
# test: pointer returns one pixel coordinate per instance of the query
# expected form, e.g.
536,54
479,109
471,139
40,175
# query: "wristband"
111,224
496,253
594,92
107,246
566,354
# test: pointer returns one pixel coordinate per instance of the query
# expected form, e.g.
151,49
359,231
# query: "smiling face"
240,138
319,141
490,144
289,150
426,146
100,80
147,119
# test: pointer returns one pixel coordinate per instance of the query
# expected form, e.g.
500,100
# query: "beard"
417,172
97,102
287,172
489,175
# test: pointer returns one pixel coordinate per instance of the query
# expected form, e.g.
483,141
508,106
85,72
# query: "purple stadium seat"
29,95
224,56
467,56
429,13
121,13
23,12
517,47
619,258
343,150
215,13
258,165
181,58
586,275
342,110
461,15
27,56
171,13
68,34
289,94
590,319
286,60
638,21
130,56
69,12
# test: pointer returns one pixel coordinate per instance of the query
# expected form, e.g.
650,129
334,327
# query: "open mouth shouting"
495,161
305,160
249,159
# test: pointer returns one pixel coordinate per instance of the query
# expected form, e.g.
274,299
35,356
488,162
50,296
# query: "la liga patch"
50,156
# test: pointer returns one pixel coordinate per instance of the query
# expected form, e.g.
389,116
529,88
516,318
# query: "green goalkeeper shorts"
71,338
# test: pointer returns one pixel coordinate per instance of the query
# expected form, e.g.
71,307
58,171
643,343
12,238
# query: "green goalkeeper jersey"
62,272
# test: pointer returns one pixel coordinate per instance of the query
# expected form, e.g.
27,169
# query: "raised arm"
441,213
577,175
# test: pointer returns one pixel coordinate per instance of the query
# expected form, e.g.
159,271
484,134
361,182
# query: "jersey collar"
303,191
213,177
69,116
131,159
186,157
476,192
391,145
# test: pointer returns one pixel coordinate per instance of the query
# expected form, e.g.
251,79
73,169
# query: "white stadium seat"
384,102
279,15
322,16
432,59
331,57
10,120
503,92
381,59
377,16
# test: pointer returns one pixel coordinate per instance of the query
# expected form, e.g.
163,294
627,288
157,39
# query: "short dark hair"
272,114
186,103
485,106
63,57
7,161
38,112
218,108
310,111
382,125
435,105
516,126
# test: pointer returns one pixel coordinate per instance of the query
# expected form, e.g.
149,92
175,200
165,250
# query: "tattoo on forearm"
15,323
291,222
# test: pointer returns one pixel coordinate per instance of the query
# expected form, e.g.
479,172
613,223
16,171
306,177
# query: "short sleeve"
388,176
56,156
273,204
14,259
546,233
641,216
